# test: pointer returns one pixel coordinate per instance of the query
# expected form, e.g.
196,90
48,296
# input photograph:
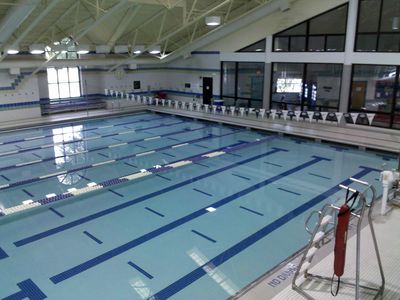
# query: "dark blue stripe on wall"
161,230
113,209
204,236
56,212
93,237
218,260
28,289
3,254
135,266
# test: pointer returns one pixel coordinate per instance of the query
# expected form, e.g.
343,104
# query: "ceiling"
172,24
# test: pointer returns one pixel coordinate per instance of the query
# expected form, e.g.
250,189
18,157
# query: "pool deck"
355,135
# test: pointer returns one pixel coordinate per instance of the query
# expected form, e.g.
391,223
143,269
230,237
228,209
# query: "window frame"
63,82
262,40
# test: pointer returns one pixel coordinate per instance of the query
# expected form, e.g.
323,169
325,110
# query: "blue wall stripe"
251,210
161,230
3,254
135,266
93,237
28,289
154,212
113,209
289,191
204,236
218,260
56,212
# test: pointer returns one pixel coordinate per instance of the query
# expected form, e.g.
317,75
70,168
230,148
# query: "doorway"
207,90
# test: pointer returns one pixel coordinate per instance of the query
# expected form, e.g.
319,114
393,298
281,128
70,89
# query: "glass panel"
366,42
335,43
368,20
228,78
396,120
62,75
75,89
256,47
322,87
297,44
372,88
316,43
389,42
73,74
281,44
229,101
390,10
332,22
287,85
300,29
256,103
64,90
51,75
53,91
250,80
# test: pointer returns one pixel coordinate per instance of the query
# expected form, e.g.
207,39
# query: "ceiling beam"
126,20
167,4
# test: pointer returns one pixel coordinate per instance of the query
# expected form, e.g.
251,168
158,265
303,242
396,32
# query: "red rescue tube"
341,239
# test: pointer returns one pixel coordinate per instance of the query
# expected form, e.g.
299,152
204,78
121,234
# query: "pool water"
200,231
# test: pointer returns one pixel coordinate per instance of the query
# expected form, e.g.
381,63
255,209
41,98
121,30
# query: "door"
207,90
358,92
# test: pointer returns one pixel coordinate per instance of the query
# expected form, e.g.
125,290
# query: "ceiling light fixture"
36,48
13,50
395,23
82,49
155,50
213,20
138,49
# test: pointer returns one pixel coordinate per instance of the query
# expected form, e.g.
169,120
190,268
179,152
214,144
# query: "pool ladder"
325,225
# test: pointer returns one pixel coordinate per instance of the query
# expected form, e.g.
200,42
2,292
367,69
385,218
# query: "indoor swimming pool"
221,206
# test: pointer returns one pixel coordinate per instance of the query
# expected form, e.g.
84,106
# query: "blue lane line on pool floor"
93,237
104,155
28,290
289,191
173,139
203,165
317,175
56,212
37,155
94,216
83,177
272,164
19,147
116,139
200,191
5,177
163,177
128,164
224,256
28,193
143,147
177,223
3,254
200,146
154,212
204,236
252,211
167,154
234,154
240,176
135,266
116,193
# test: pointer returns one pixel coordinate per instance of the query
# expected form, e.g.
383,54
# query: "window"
325,32
63,83
306,86
375,89
378,26
256,47
242,83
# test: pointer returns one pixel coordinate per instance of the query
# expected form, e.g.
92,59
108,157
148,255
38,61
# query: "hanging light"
138,49
82,49
36,48
13,50
395,23
213,20
155,50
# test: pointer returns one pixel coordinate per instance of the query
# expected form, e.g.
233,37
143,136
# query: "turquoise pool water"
200,231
